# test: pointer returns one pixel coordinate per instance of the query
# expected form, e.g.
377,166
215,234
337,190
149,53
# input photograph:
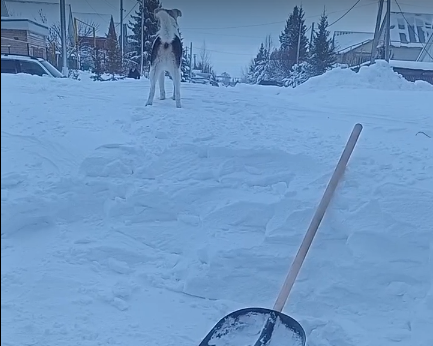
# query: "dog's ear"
175,13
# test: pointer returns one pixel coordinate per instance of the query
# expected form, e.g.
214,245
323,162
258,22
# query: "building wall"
405,53
15,41
414,75
356,56
362,53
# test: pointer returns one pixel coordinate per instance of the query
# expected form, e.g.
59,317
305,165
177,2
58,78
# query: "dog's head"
173,13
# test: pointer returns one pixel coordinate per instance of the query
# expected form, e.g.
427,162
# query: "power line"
218,51
345,14
416,34
132,9
277,22
231,35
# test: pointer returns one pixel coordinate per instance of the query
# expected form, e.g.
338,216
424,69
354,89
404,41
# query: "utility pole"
142,37
376,32
299,42
312,34
388,31
63,38
121,32
190,62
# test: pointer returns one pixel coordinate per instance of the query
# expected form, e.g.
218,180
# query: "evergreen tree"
274,69
250,73
260,62
114,61
98,65
299,74
322,53
149,30
295,28
185,62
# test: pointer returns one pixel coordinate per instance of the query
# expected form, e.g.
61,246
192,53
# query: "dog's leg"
161,85
176,82
153,75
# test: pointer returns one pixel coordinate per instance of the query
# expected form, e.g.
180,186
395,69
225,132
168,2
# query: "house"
409,33
23,36
413,70
426,54
352,47
47,14
86,22
410,70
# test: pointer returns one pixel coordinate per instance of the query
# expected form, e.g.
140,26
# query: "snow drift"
377,76
125,225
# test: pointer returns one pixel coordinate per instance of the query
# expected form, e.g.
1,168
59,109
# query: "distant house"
414,70
85,24
352,47
410,70
23,36
410,33
426,54
46,14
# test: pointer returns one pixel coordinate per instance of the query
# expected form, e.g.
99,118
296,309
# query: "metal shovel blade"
256,327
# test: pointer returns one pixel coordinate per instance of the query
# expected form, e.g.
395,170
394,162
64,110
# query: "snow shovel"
270,327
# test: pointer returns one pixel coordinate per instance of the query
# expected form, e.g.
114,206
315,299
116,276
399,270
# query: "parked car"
14,63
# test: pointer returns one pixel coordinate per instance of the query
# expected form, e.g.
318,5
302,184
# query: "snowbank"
130,225
377,76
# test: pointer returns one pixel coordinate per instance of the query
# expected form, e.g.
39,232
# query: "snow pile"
130,225
377,76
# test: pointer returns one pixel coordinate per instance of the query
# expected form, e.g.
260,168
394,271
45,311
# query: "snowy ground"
130,225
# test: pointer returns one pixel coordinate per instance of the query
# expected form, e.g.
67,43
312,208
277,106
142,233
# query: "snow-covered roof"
345,41
417,36
24,24
411,29
46,12
426,54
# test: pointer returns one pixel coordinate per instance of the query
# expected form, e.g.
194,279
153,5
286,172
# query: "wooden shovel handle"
317,218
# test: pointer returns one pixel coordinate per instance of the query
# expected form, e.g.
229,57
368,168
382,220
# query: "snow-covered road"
130,225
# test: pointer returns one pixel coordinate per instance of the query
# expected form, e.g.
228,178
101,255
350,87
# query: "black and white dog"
166,54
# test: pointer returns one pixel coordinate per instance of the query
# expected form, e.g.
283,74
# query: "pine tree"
274,69
114,61
260,62
295,28
149,31
185,63
322,49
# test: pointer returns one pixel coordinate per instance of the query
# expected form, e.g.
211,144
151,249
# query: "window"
412,36
401,24
52,69
8,66
32,67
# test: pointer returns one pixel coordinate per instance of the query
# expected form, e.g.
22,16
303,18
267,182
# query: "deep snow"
130,225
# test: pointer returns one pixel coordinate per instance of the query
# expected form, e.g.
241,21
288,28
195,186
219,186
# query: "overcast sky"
233,29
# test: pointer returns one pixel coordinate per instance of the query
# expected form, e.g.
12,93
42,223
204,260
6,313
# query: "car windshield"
51,68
